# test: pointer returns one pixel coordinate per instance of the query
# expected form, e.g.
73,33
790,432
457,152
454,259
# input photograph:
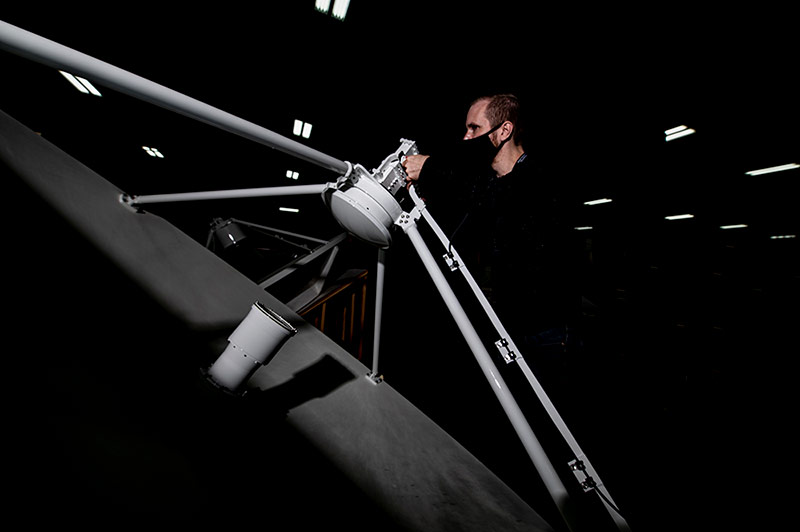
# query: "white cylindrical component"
364,208
253,344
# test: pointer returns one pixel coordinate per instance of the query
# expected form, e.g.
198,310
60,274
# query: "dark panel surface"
112,316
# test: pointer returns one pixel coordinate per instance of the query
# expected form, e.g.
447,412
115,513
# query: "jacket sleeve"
449,177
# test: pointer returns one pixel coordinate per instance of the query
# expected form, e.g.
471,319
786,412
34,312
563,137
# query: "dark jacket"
513,232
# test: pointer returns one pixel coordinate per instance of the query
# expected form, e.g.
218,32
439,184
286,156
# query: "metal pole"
534,449
548,405
266,229
379,284
590,472
39,49
298,190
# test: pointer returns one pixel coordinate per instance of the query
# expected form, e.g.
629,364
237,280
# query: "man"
509,222
479,123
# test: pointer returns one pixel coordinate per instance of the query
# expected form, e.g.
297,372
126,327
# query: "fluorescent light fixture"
323,5
782,237
679,217
597,201
677,132
152,152
292,175
81,84
736,226
771,169
89,86
584,228
301,128
674,130
75,83
340,8
288,209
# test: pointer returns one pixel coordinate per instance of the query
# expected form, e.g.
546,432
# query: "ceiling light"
583,228
75,83
292,175
340,8
674,130
679,217
677,132
302,129
736,226
597,201
152,152
771,169
781,237
81,84
288,209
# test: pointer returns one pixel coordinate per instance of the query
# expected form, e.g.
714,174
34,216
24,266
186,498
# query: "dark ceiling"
601,87
697,314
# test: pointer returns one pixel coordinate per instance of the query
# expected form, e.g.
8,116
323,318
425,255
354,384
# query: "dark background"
683,398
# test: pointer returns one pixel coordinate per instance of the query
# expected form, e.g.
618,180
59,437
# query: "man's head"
498,115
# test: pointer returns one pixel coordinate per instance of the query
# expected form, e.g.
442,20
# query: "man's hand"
413,166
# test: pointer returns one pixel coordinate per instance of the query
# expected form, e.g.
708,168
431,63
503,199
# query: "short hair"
501,108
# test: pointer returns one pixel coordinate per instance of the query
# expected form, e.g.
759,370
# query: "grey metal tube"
39,49
534,449
298,190
379,286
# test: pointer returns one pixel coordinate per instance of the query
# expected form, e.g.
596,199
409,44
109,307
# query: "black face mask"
480,150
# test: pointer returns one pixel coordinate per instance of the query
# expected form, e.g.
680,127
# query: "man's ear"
506,130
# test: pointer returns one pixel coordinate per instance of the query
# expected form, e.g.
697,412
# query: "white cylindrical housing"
253,344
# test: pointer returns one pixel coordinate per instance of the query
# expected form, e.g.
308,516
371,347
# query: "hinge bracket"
505,350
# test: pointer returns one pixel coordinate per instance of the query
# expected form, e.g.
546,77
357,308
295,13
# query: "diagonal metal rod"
297,190
544,399
379,288
529,441
50,53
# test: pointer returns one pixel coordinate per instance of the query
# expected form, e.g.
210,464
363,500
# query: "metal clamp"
451,261
505,350
374,378
408,219
581,472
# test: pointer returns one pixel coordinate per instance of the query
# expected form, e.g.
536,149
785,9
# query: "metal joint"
129,202
407,219
505,350
451,261
374,378
581,472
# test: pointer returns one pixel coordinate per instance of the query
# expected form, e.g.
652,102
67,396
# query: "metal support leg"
376,342
534,449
